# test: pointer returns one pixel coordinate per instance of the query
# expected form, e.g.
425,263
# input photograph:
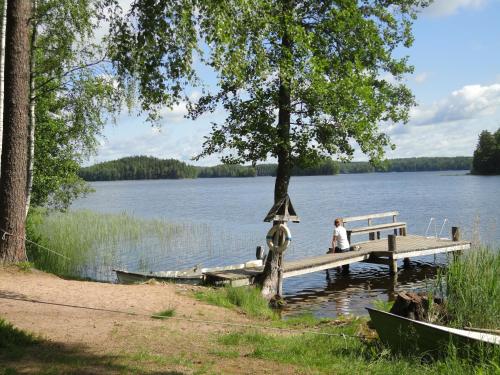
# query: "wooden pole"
280,275
391,241
455,234
393,263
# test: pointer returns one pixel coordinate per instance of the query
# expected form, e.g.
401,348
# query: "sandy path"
97,332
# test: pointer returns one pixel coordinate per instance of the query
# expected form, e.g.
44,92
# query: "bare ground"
85,329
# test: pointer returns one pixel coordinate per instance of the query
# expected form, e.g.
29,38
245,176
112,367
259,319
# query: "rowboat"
193,276
403,334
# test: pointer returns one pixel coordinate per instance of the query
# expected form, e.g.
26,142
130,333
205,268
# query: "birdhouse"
282,211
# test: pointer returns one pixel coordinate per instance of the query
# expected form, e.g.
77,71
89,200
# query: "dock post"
371,236
455,236
393,263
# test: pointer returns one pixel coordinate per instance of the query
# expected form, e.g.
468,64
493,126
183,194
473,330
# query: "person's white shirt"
341,237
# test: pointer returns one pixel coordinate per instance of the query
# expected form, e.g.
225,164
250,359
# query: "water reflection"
349,293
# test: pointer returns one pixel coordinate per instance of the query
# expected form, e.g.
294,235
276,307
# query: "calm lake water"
226,220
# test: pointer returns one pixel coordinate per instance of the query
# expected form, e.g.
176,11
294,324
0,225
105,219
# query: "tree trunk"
15,145
3,19
32,120
270,275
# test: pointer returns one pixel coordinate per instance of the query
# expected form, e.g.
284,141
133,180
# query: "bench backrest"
371,216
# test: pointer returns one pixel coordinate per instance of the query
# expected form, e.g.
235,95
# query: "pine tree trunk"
32,120
15,145
3,18
269,278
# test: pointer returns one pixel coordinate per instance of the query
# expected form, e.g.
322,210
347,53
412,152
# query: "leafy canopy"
333,64
74,96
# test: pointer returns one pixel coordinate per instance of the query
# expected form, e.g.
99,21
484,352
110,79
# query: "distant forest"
145,168
486,159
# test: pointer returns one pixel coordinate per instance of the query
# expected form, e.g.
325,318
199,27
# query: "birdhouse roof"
282,211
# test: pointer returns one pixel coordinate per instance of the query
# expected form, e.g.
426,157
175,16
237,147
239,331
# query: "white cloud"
175,114
448,127
441,8
421,77
469,102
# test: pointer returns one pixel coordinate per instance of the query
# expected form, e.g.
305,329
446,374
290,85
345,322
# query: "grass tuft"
246,299
24,266
164,314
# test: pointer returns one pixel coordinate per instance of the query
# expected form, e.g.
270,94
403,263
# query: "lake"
226,220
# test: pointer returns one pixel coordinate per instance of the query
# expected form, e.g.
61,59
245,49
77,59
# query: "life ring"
284,236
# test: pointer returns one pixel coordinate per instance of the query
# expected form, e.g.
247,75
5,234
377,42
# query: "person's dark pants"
345,267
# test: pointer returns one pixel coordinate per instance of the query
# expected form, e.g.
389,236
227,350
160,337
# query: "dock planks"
374,251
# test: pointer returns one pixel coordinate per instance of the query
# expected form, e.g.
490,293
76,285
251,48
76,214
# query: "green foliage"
330,352
154,43
487,154
143,167
471,287
226,170
138,168
410,165
74,97
248,299
298,80
304,78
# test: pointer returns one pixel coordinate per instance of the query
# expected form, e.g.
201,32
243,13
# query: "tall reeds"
88,244
471,287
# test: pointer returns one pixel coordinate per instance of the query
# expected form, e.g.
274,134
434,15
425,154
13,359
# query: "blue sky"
456,55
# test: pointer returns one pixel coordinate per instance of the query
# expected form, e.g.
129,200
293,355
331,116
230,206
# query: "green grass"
471,287
164,314
24,266
246,299
13,341
90,244
346,355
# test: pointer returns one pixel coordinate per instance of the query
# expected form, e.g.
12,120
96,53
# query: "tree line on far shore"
145,167
487,154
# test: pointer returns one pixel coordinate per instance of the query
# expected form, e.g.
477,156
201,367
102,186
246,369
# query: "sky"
456,83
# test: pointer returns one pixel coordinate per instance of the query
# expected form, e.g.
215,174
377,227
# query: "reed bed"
85,244
471,287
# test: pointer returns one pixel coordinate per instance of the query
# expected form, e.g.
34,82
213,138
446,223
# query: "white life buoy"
283,233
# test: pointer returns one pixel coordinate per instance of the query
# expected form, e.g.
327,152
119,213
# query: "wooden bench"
375,229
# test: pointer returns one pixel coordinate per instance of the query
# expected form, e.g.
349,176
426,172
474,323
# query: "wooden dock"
380,251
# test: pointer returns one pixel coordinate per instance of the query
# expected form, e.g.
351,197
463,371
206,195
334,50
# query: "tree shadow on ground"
21,352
